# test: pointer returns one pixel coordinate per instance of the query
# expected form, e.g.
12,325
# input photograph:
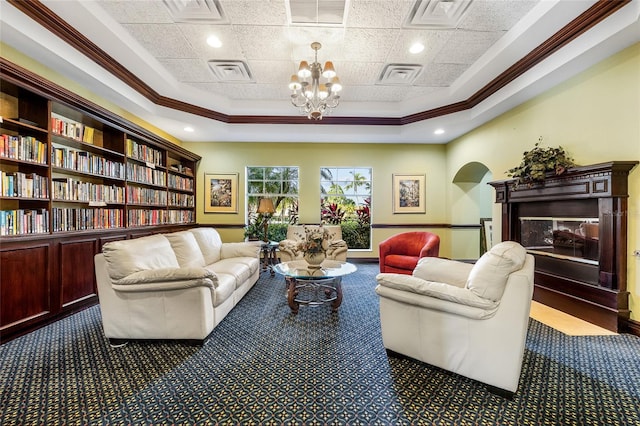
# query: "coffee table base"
314,292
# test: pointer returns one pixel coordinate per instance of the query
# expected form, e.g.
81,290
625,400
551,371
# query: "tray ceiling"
161,47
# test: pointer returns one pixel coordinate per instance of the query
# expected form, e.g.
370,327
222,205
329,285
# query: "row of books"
23,221
181,200
180,216
142,174
36,221
144,153
75,190
71,129
80,219
144,217
179,182
86,162
26,148
137,195
27,185
140,217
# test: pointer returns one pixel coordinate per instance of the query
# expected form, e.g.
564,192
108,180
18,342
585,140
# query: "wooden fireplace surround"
595,293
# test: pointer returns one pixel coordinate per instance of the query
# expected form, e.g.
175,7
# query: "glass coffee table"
314,286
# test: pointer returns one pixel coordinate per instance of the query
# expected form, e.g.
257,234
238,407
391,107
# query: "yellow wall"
594,116
384,159
18,58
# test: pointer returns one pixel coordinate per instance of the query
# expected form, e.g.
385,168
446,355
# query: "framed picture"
486,235
408,193
221,192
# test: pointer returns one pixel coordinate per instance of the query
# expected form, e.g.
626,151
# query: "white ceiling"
467,45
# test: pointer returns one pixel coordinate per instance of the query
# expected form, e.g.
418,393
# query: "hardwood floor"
565,323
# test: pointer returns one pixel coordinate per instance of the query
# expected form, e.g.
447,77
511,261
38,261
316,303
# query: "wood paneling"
24,284
77,282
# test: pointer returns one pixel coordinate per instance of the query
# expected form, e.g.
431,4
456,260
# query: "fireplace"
575,225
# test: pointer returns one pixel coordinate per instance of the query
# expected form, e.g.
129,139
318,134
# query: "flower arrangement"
316,240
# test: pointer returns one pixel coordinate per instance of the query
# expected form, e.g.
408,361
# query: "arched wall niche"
472,200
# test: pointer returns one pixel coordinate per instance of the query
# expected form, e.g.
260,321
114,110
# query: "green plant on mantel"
538,162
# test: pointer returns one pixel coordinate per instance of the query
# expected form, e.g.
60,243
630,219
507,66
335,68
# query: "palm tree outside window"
346,201
281,185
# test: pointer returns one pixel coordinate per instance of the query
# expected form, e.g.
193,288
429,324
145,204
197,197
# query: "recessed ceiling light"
188,129
438,131
214,41
416,48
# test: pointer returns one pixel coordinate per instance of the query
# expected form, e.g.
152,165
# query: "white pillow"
126,257
210,243
489,275
186,248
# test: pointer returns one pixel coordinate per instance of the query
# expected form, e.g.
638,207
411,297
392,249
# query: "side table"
269,256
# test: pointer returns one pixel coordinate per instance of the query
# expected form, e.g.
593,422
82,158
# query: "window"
346,201
281,185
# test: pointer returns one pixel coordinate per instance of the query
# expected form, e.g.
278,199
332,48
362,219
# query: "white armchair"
296,233
468,319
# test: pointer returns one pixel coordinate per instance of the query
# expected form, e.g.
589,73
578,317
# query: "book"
87,136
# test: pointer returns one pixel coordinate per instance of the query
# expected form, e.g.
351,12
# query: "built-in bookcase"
74,176
63,170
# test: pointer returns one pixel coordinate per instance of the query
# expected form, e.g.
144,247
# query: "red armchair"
400,253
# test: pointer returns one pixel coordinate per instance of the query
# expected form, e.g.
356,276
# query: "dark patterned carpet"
262,365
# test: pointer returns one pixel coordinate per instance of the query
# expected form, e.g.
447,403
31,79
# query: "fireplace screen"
573,238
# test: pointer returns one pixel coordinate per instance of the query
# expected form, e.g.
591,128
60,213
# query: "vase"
314,259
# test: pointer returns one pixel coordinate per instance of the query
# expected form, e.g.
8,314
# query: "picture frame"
486,234
221,192
409,193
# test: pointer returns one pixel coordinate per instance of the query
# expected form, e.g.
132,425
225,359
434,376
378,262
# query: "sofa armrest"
229,250
180,277
448,271
438,290
289,246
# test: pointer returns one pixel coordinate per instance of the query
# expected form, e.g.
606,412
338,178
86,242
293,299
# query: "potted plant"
254,230
539,162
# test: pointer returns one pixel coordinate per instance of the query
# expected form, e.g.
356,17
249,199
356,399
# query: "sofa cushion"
210,243
225,288
489,275
186,248
127,257
443,270
232,267
401,261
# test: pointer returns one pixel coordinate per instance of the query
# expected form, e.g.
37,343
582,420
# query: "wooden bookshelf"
74,176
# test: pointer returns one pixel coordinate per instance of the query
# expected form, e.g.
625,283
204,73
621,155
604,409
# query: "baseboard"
632,327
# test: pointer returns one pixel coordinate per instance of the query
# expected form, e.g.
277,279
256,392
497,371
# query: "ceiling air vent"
437,13
231,71
317,12
201,11
399,74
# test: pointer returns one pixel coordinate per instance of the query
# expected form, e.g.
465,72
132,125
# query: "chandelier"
313,97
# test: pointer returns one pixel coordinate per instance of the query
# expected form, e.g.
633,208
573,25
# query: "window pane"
281,185
345,200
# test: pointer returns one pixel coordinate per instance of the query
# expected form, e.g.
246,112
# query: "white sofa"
468,319
172,286
288,247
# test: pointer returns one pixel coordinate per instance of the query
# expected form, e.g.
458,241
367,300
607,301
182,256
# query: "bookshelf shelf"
74,176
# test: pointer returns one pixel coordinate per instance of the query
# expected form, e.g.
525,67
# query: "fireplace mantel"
594,290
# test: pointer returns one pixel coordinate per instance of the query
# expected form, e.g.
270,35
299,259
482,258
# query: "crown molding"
60,28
